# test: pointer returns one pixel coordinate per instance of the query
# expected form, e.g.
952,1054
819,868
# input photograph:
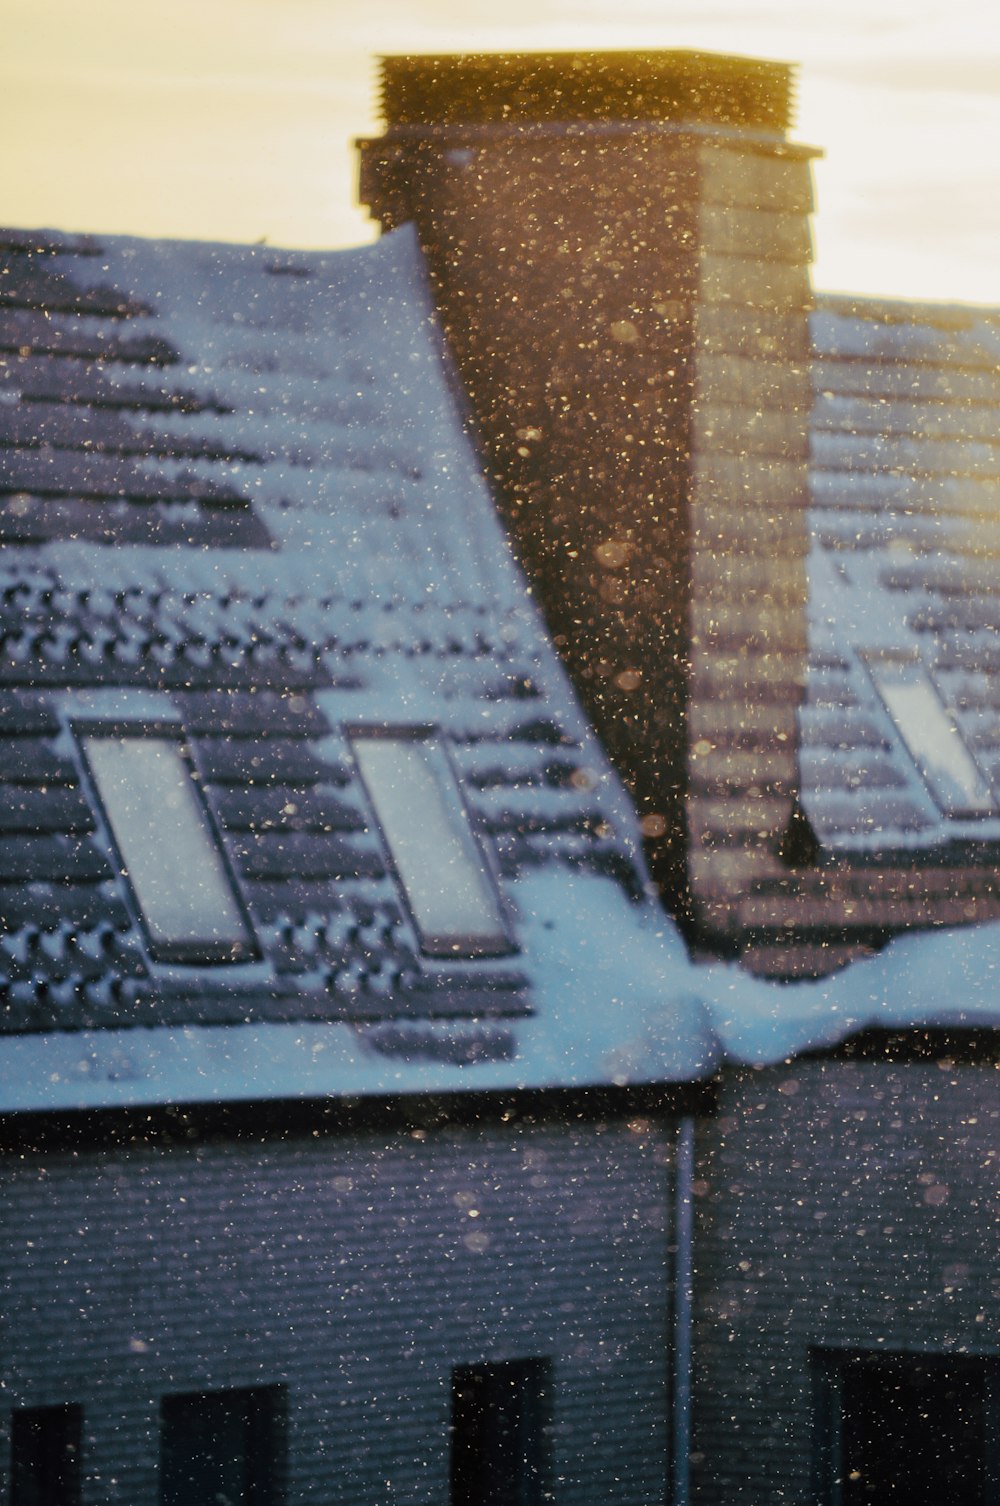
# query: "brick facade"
353,1271
849,1204
627,300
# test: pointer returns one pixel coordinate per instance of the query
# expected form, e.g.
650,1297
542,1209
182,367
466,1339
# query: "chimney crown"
544,88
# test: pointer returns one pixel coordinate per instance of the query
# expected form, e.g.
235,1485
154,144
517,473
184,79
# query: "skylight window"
168,849
931,737
443,871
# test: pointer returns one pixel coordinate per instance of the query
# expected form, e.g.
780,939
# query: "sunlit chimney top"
544,88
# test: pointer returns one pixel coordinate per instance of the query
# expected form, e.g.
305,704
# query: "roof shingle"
238,501
906,539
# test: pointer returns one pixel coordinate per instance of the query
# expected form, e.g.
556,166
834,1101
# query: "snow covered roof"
238,500
603,1019
239,508
898,767
904,580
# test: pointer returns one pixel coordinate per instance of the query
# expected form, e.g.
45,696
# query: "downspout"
683,1301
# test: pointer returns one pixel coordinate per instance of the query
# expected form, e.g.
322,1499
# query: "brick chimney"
619,244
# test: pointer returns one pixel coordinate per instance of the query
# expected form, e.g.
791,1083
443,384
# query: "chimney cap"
551,87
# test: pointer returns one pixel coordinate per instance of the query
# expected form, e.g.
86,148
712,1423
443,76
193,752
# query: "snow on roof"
238,499
604,973
653,1017
905,475
302,541
931,980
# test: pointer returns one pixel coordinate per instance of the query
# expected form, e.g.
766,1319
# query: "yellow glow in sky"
233,119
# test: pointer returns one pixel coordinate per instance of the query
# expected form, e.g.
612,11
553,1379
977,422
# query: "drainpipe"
683,1295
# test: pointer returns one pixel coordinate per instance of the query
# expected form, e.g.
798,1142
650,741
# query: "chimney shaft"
620,246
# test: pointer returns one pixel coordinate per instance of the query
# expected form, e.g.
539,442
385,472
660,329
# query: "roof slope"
905,572
899,728
236,494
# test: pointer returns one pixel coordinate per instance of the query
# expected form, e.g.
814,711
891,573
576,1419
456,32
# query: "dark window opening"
45,1456
499,1424
222,1447
907,1430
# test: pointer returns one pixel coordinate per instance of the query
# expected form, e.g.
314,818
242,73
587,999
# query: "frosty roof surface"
904,571
303,545
237,500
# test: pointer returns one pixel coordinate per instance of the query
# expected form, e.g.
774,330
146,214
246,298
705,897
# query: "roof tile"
905,561
301,544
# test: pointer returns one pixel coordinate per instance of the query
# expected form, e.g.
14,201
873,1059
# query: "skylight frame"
945,780
435,941
241,945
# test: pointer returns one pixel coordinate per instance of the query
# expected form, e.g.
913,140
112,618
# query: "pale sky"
233,119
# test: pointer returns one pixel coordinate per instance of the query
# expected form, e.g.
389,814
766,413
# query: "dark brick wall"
628,308
844,1203
355,1270
564,269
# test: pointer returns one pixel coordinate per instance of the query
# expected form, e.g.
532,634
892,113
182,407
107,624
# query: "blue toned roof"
236,497
904,570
